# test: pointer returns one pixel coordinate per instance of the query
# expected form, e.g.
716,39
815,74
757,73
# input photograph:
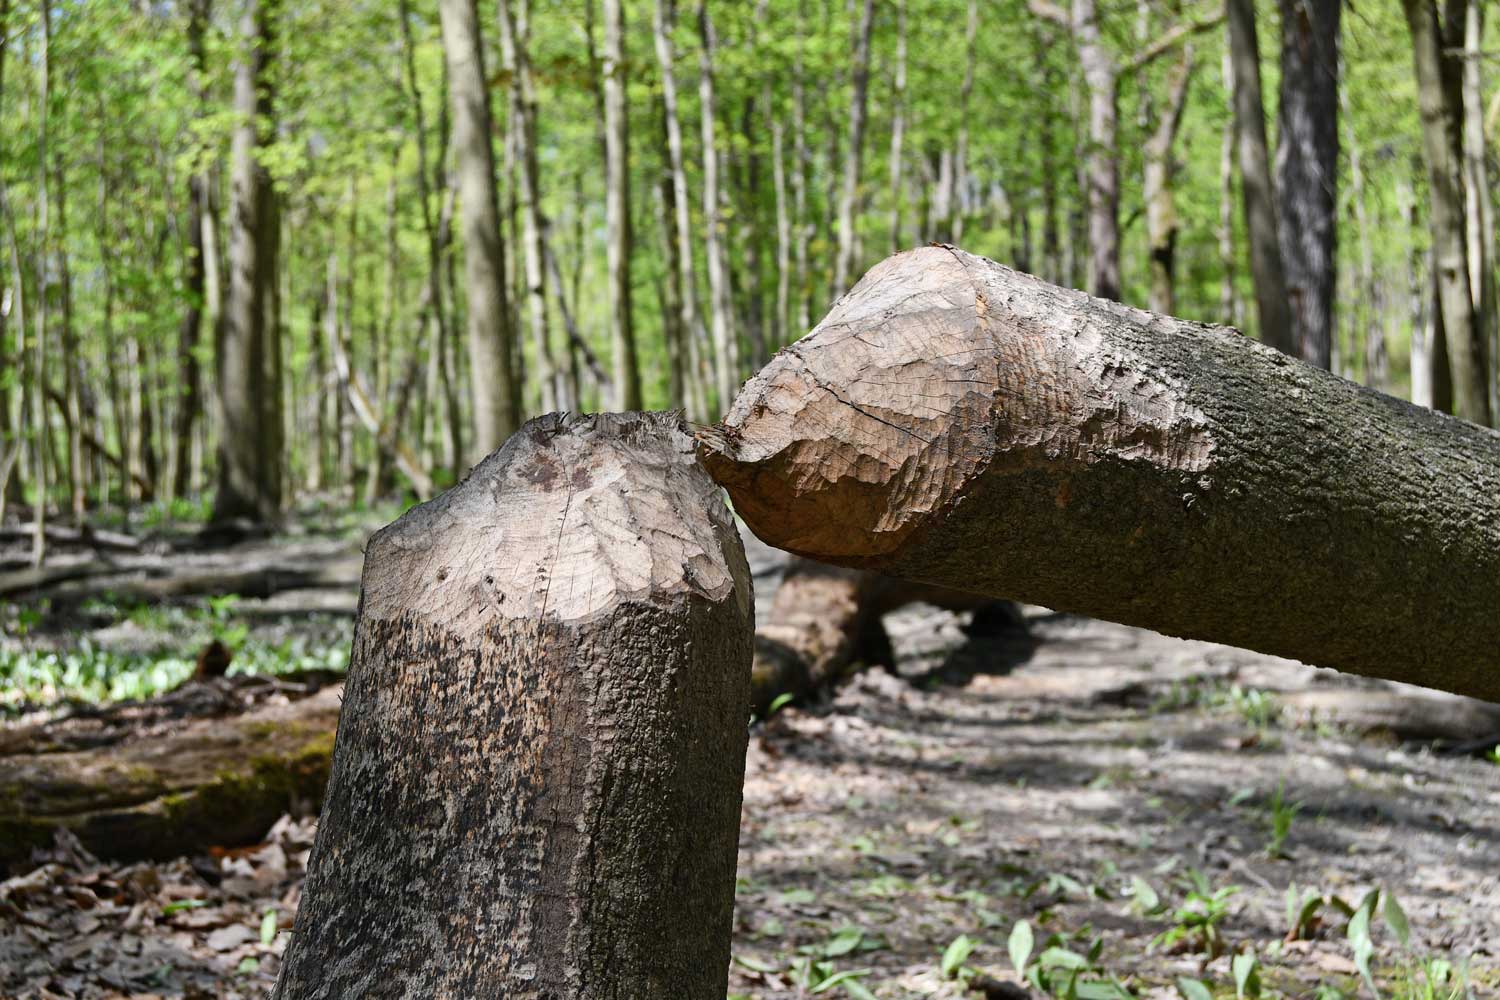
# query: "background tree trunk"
1307,162
496,409
554,736
721,303
41,435
196,265
617,209
1106,461
514,34
247,486
1161,205
663,22
859,89
1439,103
1272,308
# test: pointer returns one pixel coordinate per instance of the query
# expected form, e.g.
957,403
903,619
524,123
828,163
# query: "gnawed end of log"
961,423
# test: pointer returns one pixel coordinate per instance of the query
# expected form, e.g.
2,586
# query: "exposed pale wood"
957,422
536,785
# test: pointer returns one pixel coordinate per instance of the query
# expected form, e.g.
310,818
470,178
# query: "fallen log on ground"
957,422
825,622
536,784
164,580
140,781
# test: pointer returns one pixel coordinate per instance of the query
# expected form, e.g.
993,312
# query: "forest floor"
1110,809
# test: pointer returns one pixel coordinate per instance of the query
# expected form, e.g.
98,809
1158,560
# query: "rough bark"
490,342
956,422
536,784
200,218
248,484
1441,115
1272,308
1307,161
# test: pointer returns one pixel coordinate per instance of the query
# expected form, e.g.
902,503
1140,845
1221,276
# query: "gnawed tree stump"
960,423
536,784
825,622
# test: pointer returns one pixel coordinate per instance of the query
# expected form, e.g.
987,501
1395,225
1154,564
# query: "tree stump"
960,423
536,782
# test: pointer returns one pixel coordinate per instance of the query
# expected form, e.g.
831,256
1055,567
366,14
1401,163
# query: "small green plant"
1281,815
1063,971
1195,924
954,957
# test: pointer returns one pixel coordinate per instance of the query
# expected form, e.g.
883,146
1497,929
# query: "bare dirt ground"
1114,789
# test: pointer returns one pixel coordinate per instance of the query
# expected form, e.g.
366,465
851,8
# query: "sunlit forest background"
244,246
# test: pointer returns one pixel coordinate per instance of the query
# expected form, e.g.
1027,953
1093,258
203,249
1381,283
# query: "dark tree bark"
1307,161
959,423
536,784
248,472
1271,306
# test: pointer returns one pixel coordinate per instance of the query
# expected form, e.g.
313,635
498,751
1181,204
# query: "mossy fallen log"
160,794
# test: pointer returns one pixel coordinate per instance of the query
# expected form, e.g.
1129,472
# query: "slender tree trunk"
496,409
189,393
1479,206
1102,165
1069,433
898,130
779,337
42,440
627,376
693,332
1370,299
523,103
1228,301
725,340
1439,104
554,734
1161,203
801,160
961,180
246,486
1272,307
859,75
1052,266
669,292
1307,159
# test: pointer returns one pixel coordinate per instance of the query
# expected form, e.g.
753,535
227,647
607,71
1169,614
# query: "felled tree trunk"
825,622
960,423
536,784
